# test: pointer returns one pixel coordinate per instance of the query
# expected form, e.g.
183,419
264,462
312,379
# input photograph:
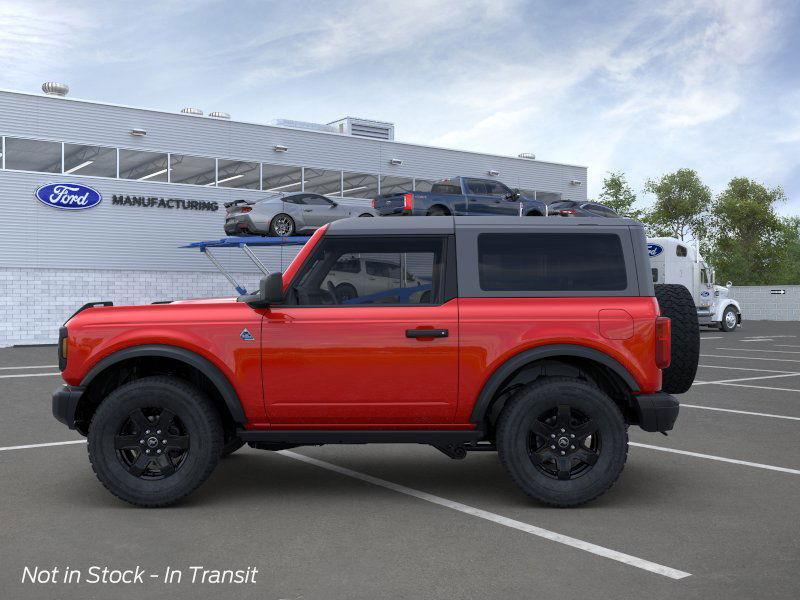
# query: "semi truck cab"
674,261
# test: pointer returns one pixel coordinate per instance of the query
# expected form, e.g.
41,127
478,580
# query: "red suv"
541,339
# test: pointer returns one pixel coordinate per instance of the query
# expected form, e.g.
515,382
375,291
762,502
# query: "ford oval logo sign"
654,250
705,294
68,196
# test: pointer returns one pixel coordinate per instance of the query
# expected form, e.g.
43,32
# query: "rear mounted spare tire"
676,302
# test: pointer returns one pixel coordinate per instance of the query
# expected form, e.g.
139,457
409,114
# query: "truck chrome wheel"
564,443
152,443
729,320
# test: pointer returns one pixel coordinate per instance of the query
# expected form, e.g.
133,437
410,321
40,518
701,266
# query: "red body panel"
495,329
210,329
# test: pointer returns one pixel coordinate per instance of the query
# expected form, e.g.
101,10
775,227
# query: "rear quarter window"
551,262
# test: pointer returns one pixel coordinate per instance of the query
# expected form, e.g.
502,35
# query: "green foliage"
751,244
681,205
618,195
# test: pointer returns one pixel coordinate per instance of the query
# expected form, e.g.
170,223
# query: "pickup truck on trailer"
541,339
461,196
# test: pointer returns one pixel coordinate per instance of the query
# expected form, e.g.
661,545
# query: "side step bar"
315,437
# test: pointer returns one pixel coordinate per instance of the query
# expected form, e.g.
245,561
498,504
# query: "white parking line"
794,360
719,458
787,345
29,367
26,446
746,379
759,350
741,412
28,375
761,387
742,369
495,518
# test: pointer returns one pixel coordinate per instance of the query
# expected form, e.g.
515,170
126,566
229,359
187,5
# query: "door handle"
307,210
427,333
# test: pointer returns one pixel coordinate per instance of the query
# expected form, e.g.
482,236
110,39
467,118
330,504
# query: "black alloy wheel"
564,443
152,443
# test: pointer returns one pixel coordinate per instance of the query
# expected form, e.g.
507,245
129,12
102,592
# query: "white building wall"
759,303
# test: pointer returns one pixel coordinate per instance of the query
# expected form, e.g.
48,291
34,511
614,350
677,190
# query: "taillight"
663,342
373,203
246,209
408,202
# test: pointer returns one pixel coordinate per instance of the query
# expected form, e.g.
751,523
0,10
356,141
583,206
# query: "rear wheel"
676,302
563,441
282,225
437,211
154,441
729,320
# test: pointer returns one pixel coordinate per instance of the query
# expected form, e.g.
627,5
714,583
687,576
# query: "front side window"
477,187
315,200
446,186
551,262
33,155
143,166
495,188
405,271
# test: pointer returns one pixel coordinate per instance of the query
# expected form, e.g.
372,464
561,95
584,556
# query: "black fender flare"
525,357
206,367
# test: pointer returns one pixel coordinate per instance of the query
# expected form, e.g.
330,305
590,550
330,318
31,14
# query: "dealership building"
162,179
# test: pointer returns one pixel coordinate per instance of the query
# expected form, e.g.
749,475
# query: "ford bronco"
541,339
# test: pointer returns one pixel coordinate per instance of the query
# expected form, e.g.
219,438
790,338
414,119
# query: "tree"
751,243
619,196
681,205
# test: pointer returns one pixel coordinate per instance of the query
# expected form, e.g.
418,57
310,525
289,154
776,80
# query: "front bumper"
65,404
656,412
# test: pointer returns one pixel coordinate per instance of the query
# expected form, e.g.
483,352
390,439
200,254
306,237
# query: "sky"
639,87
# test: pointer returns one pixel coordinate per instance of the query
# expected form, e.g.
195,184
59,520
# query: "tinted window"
316,200
144,166
681,250
33,155
300,199
495,188
446,187
476,186
90,160
600,210
655,275
537,262
396,271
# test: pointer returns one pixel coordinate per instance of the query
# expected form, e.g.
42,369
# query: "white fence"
768,302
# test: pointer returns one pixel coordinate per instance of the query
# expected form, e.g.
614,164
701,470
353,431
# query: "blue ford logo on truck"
68,196
654,250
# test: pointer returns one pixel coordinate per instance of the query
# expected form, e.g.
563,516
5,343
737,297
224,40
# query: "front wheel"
562,440
154,440
729,320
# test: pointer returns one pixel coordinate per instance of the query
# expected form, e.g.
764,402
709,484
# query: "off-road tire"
195,412
514,434
279,218
723,325
676,302
230,446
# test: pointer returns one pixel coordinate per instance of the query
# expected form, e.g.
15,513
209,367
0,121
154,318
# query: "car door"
384,357
319,210
485,197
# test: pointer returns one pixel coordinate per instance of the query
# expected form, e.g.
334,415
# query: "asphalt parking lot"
711,511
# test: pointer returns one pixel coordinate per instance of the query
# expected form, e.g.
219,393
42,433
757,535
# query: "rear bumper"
65,404
657,412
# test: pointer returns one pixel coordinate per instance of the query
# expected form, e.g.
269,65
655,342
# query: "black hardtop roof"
448,224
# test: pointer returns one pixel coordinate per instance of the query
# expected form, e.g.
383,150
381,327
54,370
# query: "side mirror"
729,285
334,204
270,291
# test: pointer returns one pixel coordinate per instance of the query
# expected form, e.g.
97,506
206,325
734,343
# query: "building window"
359,185
97,161
33,155
194,170
237,174
280,178
321,181
144,166
423,185
396,185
